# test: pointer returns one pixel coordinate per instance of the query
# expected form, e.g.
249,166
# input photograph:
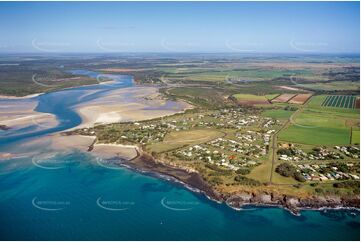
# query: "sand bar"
17,114
22,97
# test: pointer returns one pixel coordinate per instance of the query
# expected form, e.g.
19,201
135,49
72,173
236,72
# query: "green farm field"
319,135
277,113
318,125
250,97
355,139
315,104
339,101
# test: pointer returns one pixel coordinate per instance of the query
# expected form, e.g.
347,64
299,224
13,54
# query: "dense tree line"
288,170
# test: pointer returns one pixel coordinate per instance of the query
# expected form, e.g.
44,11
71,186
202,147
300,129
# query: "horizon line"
176,52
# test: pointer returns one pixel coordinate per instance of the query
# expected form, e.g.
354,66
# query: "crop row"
339,101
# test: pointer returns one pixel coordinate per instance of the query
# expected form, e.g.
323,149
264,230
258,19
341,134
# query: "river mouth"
114,99
62,105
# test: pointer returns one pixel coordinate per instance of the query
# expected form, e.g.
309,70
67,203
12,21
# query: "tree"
285,169
289,170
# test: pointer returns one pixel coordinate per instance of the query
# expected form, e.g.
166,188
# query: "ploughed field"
252,99
292,98
300,98
283,98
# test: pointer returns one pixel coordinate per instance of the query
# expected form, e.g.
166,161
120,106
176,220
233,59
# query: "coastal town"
233,139
323,164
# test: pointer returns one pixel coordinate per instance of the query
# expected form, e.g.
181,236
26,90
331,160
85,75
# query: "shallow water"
70,196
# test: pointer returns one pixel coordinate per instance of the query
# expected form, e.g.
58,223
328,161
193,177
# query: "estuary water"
77,199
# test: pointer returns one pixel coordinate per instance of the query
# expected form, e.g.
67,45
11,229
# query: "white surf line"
105,166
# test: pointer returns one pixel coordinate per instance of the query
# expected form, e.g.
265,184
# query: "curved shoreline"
146,164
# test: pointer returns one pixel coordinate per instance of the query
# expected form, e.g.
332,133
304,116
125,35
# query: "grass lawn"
178,139
262,172
277,113
355,136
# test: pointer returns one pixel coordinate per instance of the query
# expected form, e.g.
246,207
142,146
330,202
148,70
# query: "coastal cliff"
193,180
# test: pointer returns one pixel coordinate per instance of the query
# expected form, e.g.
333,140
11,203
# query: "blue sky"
287,27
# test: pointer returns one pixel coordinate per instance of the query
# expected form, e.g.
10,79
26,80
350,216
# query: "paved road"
274,147
274,137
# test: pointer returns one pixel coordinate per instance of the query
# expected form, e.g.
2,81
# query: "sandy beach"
107,151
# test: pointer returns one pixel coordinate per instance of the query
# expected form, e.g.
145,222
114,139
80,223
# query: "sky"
237,27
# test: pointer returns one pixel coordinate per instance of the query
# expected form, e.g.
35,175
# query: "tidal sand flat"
128,104
48,143
20,113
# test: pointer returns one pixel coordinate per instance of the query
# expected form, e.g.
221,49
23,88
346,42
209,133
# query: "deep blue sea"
80,200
